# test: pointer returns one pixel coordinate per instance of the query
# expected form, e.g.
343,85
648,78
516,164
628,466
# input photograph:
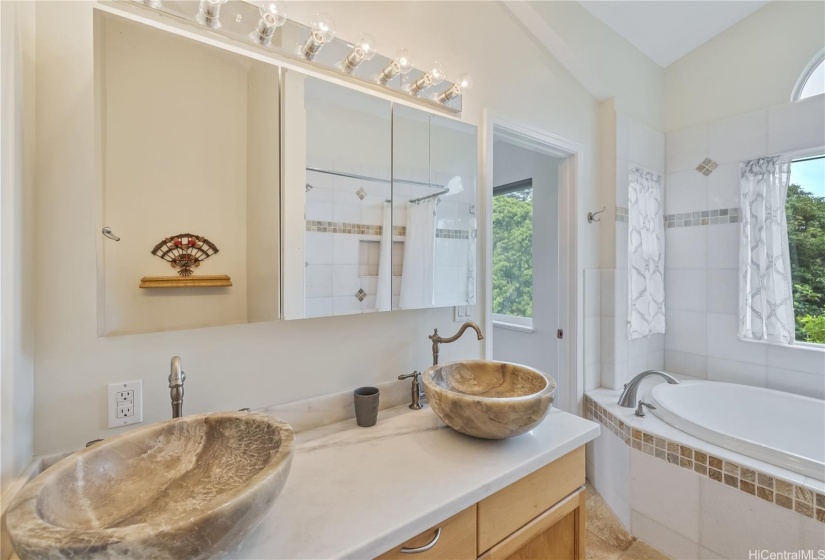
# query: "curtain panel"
765,289
646,255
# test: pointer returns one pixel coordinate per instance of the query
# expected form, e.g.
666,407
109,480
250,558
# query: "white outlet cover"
116,390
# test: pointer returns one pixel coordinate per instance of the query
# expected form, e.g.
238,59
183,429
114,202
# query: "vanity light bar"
266,25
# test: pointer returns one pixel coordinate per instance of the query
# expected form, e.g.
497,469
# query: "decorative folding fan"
185,251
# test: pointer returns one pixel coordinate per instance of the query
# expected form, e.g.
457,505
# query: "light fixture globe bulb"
324,26
273,13
437,73
465,81
366,43
404,61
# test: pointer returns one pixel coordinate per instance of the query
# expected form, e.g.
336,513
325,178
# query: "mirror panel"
336,199
434,216
189,144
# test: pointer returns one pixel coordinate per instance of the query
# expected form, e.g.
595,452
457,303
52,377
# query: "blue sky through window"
810,175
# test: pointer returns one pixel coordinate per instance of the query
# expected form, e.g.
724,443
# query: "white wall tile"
723,187
592,340
592,293
797,358
813,534
723,341
318,306
734,523
685,362
655,343
614,293
686,192
799,382
656,360
723,291
611,473
614,375
797,126
646,147
621,245
635,366
686,247
592,376
345,280
661,538
345,305
318,280
686,290
731,371
722,245
614,343
665,492
686,331
318,248
685,149
739,138
346,248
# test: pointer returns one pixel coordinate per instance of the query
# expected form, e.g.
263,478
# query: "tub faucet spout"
628,398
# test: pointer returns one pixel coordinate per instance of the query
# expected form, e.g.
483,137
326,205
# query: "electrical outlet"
125,403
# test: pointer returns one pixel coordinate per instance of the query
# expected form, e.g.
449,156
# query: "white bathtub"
779,428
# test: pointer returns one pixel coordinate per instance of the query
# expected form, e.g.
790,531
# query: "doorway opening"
531,301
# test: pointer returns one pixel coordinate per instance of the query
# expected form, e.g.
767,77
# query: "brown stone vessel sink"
490,400
192,487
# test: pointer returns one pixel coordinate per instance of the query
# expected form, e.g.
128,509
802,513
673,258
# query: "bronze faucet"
437,339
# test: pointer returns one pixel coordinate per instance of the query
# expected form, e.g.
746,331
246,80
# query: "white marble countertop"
358,492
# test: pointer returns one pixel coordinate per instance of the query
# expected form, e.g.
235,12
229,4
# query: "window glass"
815,84
805,208
513,249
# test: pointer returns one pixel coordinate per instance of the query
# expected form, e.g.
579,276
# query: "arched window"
812,80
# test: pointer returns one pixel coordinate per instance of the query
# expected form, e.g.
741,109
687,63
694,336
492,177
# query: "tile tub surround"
653,437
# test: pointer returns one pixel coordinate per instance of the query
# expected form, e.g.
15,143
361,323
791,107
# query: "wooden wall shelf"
215,281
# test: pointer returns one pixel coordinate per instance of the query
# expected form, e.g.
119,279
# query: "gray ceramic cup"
366,406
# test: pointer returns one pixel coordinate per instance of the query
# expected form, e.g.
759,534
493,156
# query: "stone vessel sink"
191,487
490,400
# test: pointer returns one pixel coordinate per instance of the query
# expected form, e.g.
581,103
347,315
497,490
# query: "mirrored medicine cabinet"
378,203
320,199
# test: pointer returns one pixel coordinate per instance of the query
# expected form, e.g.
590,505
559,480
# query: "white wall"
539,348
265,363
631,78
16,232
751,65
702,262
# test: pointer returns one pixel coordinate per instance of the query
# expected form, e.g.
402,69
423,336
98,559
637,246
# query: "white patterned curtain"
766,289
646,255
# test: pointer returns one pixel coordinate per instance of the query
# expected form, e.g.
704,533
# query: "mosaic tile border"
357,229
366,229
785,494
452,234
703,218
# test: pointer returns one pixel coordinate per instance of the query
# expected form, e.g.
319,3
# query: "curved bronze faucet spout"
438,339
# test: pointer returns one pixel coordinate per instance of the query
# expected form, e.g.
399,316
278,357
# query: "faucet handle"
414,374
640,409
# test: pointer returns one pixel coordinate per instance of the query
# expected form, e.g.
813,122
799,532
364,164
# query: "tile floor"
607,538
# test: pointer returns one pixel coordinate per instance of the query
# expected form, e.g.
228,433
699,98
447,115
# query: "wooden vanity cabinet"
540,517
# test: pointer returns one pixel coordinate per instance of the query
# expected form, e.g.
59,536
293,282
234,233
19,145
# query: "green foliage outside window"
513,253
806,237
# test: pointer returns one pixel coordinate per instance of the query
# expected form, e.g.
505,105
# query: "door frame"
571,166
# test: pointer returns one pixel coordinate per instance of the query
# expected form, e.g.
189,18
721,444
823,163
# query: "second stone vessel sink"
190,488
490,400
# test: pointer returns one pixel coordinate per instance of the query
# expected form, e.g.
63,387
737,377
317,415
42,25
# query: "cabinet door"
556,534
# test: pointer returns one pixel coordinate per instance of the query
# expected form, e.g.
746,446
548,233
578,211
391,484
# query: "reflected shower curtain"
646,255
383,294
419,255
766,289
